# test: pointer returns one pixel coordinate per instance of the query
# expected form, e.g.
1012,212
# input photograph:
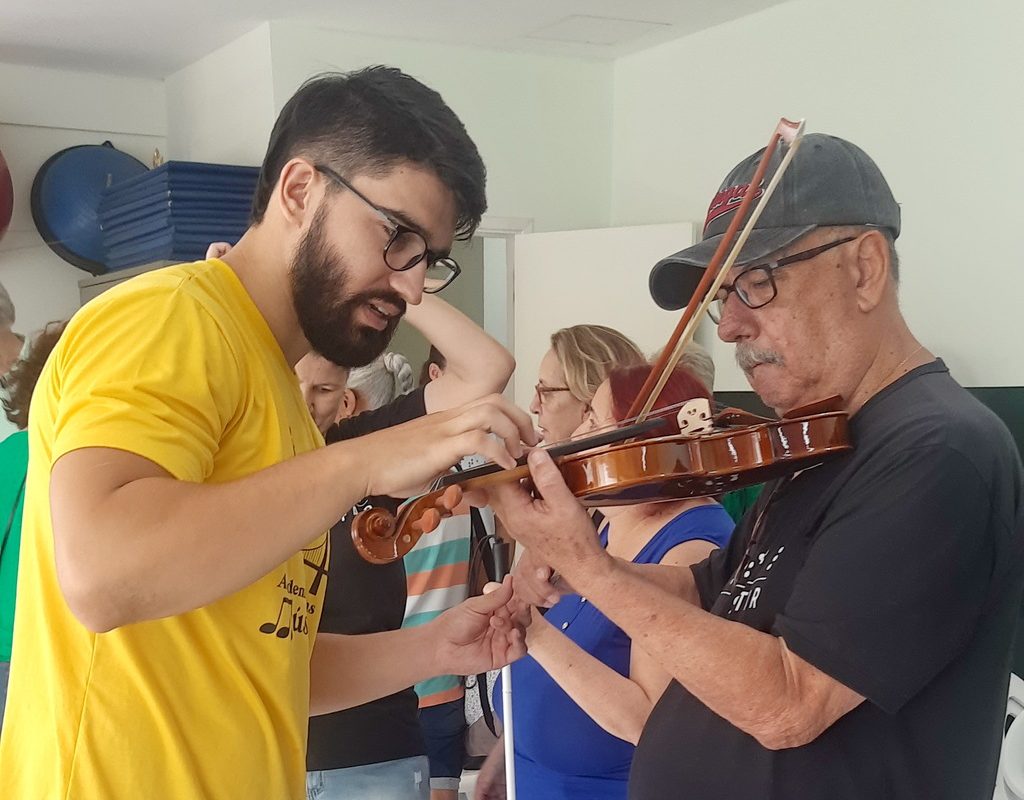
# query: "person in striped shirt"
437,574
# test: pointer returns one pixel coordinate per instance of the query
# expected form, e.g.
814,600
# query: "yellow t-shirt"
177,366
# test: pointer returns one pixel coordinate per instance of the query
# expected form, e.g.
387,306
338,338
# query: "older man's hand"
553,526
537,584
533,582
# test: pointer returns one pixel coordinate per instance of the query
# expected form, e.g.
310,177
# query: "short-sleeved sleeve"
148,371
897,576
710,576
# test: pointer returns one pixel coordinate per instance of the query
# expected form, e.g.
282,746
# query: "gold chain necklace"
893,372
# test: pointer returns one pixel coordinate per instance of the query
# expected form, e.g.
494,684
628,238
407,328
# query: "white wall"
568,278
930,90
43,111
221,108
542,123
497,288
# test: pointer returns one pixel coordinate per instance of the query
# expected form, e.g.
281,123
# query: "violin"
632,463
739,450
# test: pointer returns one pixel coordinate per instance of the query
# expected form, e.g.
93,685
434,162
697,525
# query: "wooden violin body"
677,467
654,470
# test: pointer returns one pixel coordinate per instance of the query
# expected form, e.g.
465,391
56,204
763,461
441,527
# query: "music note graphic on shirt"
285,630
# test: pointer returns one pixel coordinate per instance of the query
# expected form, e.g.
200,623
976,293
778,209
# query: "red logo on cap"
728,200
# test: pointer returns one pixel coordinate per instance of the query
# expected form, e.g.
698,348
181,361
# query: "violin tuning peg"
448,501
429,521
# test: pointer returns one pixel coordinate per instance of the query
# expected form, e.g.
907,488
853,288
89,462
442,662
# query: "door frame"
504,230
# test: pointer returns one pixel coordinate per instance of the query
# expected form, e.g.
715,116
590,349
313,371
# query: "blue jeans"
402,779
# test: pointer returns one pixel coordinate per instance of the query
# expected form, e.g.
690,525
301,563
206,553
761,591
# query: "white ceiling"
153,38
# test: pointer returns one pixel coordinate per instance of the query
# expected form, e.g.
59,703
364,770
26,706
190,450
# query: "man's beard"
318,277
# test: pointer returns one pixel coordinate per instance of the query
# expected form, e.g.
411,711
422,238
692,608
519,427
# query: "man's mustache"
748,357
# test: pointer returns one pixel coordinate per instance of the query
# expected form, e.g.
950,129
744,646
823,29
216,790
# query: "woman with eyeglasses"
583,694
580,358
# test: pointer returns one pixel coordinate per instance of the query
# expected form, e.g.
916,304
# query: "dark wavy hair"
20,382
367,122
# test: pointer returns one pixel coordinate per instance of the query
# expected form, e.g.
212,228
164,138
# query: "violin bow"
721,262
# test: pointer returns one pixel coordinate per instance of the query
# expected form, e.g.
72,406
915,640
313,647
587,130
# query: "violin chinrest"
736,417
829,405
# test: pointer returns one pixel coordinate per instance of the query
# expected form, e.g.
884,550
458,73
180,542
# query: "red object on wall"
6,196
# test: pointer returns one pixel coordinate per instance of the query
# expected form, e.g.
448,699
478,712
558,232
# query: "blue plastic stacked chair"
173,212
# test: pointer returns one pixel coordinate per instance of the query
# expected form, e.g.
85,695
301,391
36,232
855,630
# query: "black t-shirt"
366,598
897,570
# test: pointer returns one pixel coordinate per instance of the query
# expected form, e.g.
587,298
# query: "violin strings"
664,411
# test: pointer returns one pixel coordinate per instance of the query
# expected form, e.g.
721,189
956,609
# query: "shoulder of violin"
737,417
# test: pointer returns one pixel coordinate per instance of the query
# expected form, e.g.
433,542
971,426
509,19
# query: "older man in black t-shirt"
853,642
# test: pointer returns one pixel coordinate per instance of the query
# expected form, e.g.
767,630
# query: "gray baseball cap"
829,182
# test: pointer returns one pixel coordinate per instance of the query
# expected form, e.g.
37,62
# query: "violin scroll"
382,537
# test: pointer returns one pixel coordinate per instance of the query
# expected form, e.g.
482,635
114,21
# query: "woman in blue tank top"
582,696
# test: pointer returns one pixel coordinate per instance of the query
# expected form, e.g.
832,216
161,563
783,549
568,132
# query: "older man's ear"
348,406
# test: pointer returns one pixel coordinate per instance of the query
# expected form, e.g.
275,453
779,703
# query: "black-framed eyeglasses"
405,247
755,286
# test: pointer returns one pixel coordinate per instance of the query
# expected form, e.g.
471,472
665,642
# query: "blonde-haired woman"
578,361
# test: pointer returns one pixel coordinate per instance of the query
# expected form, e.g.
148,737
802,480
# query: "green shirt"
6,426
13,466
737,503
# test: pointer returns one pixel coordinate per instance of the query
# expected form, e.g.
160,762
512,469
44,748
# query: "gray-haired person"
853,640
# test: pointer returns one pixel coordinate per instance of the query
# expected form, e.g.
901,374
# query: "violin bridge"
694,417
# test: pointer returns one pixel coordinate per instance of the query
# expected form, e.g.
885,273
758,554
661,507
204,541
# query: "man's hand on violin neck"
552,525
401,461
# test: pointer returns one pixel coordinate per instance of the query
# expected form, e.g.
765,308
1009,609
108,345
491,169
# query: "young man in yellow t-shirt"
174,560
